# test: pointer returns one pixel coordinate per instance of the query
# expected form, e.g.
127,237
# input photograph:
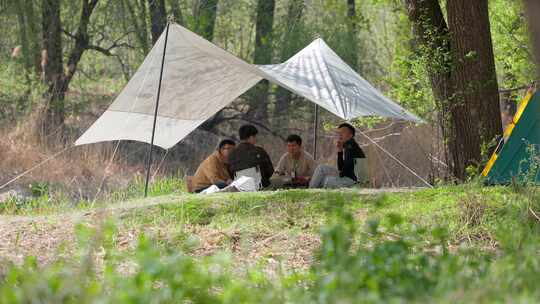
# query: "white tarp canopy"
199,79
318,74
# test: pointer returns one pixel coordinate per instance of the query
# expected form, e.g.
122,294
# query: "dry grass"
77,173
472,217
49,238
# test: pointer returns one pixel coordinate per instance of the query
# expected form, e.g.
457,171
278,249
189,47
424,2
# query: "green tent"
517,158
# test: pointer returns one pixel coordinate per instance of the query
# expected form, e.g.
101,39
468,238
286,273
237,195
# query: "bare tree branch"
104,50
523,87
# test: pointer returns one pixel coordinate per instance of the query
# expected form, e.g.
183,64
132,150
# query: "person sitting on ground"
296,166
247,155
213,170
348,150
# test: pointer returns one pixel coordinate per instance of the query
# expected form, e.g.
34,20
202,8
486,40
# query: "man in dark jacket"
347,151
247,155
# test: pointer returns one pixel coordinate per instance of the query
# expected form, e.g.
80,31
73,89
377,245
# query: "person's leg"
221,185
278,181
200,190
320,174
338,182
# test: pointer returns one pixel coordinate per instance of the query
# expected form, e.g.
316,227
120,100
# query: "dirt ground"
48,237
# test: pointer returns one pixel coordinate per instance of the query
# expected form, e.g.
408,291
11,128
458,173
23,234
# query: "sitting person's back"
247,155
213,170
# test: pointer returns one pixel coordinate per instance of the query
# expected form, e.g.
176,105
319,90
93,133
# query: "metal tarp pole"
151,150
315,130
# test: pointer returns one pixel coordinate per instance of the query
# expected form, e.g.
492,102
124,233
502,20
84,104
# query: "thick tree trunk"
53,68
158,18
460,84
290,45
206,18
262,55
431,32
474,67
532,10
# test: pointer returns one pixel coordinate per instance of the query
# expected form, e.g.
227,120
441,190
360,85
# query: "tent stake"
315,129
151,150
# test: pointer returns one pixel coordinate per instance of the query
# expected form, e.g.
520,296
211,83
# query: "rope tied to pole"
396,159
36,166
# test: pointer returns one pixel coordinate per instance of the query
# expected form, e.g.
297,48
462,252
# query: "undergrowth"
427,246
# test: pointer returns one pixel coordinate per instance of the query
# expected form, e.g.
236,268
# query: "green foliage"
393,259
511,45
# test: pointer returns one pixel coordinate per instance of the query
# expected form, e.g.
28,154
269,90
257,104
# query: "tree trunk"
176,11
139,22
462,71
262,55
158,18
56,78
206,18
53,67
33,35
474,68
532,10
290,45
22,20
352,33
144,23
431,32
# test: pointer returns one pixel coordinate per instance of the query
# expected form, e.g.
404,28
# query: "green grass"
451,244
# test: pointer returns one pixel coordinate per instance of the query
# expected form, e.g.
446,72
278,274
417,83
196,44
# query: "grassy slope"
275,231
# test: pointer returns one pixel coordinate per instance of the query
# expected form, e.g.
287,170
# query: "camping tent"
199,79
517,156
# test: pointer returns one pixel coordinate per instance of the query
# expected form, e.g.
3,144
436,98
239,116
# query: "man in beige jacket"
213,170
296,166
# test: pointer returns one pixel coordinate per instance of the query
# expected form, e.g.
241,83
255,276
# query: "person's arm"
214,172
339,146
340,162
280,169
312,165
267,169
347,163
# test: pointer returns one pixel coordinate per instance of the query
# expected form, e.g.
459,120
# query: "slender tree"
262,55
53,66
23,36
33,34
352,32
176,11
56,77
138,19
206,18
532,10
158,18
290,44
